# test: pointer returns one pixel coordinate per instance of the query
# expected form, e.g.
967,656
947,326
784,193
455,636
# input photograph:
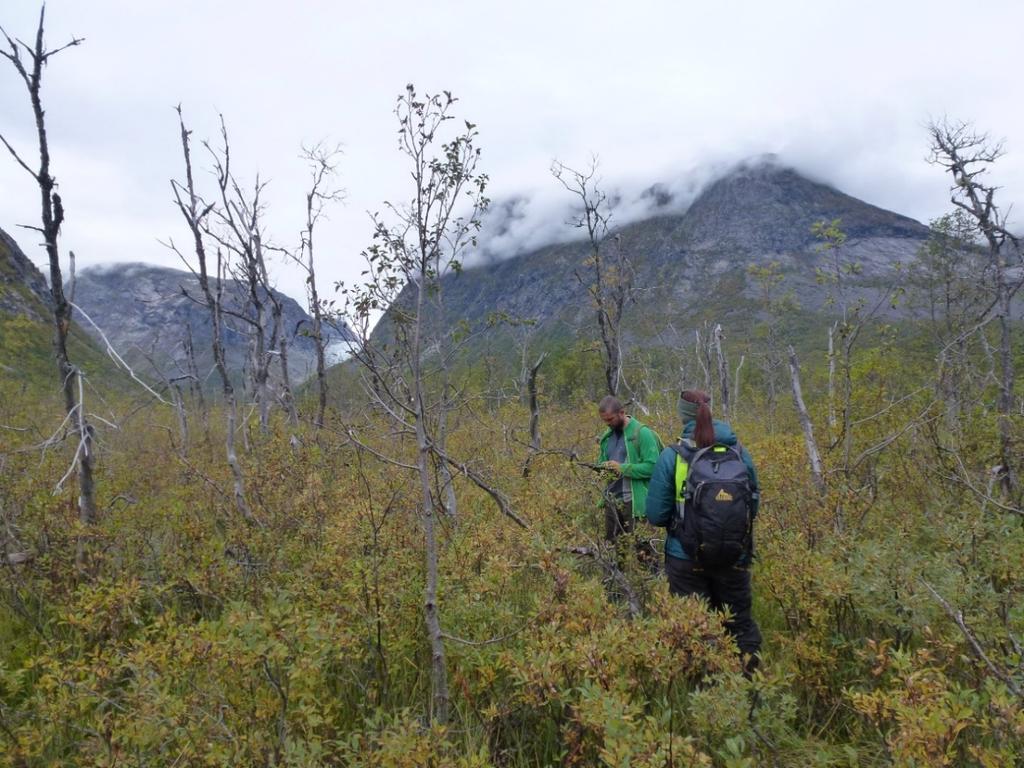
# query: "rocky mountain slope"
23,289
26,327
692,265
147,312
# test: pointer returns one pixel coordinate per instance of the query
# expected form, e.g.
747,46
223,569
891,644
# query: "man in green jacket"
630,450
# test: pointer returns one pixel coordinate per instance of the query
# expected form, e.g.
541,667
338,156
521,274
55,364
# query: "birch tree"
237,228
322,163
195,212
608,270
404,367
968,156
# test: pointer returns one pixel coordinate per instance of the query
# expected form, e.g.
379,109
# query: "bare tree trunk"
194,217
179,407
1006,386
531,387
451,506
438,665
613,372
832,420
736,384
321,361
847,422
702,359
261,376
768,366
232,457
723,371
813,456
322,162
52,214
286,385
195,382
531,390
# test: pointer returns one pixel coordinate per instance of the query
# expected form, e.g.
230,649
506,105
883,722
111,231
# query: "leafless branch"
972,640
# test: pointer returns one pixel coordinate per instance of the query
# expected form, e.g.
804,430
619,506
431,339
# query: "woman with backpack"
704,490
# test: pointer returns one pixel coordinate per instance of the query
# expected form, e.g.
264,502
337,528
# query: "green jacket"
642,450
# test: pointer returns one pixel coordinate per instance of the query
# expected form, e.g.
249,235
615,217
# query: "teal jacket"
642,449
661,493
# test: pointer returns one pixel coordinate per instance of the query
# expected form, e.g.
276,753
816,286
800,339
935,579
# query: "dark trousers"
618,521
618,518
723,588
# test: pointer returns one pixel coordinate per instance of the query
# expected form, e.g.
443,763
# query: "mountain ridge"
148,312
754,215
23,287
26,328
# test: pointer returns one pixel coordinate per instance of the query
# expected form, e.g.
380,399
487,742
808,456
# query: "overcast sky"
842,90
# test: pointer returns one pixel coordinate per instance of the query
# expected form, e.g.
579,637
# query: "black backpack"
714,513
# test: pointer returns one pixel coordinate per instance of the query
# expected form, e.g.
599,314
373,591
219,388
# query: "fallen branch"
112,353
481,643
18,558
613,572
499,498
972,640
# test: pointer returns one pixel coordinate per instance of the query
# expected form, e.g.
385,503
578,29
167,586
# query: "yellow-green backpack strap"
682,469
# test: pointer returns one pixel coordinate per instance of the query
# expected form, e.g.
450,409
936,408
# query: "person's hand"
614,466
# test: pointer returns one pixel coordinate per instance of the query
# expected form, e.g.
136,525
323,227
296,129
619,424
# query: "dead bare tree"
813,455
723,370
531,393
286,397
239,231
609,269
1005,673
854,315
30,70
173,386
195,213
703,345
769,277
415,245
968,155
950,288
195,382
833,419
323,162
736,382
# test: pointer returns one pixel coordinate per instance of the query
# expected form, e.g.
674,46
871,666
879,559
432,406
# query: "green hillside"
26,331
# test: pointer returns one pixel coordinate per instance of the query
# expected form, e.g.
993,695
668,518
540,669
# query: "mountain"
23,289
692,265
26,327
148,311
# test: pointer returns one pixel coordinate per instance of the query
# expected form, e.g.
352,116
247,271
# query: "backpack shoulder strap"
700,452
657,439
685,448
634,438
683,451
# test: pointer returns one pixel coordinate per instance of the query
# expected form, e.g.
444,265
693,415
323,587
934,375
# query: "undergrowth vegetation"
189,637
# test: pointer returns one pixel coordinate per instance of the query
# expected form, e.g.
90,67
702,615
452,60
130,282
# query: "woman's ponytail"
704,434
704,431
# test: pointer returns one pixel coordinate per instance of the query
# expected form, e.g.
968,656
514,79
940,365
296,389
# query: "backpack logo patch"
723,495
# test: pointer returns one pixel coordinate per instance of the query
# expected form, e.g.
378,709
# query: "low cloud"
544,216
522,223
